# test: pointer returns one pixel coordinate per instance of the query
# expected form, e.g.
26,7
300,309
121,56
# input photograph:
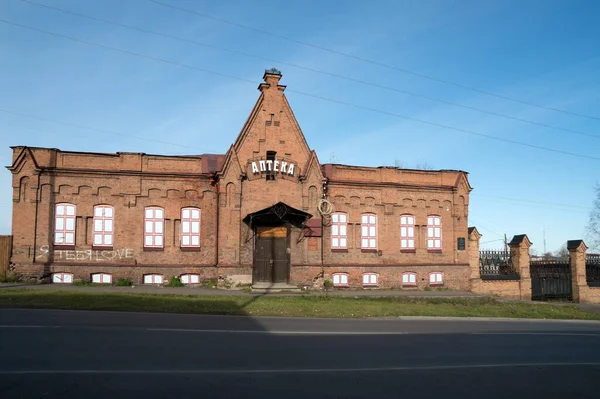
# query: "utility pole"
505,244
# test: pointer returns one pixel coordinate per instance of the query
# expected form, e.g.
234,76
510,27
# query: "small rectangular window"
409,279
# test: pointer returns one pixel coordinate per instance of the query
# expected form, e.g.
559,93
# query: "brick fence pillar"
474,237
577,250
519,253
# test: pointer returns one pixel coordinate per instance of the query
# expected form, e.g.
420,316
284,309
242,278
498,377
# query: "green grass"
303,306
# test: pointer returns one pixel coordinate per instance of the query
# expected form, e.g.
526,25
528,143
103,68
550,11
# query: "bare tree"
424,165
593,227
562,252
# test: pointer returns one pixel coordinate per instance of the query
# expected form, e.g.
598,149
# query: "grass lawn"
301,306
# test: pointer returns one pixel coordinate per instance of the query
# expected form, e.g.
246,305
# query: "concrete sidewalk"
205,291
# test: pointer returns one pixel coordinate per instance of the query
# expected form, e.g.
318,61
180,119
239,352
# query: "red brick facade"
233,194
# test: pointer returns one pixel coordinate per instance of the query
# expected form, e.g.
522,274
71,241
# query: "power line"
350,79
71,124
373,62
533,202
303,93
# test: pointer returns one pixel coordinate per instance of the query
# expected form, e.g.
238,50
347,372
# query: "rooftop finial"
273,71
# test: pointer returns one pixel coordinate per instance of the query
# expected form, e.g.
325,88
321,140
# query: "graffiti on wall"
87,254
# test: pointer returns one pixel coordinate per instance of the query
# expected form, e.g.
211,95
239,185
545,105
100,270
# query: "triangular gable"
21,160
462,179
272,126
313,163
231,160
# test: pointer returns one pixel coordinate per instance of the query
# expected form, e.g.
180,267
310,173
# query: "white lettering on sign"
274,165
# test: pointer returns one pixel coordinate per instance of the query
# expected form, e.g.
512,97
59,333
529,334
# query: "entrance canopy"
278,214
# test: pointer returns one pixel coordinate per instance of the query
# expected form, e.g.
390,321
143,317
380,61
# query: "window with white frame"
436,278
190,227
434,233
340,279
62,278
154,227
103,226
368,231
64,224
153,279
370,279
102,278
409,278
339,230
407,232
190,278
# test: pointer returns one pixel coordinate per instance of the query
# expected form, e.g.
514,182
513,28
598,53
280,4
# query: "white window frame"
103,278
190,278
407,232
370,279
434,233
340,279
154,278
65,224
62,278
190,227
154,227
103,226
368,231
436,278
339,230
407,277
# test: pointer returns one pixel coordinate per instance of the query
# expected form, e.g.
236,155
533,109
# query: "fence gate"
551,280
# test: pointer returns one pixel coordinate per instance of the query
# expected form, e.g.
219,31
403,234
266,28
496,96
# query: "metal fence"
551,279
496,265
592,270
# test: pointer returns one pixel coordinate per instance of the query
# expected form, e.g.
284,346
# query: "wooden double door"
272,255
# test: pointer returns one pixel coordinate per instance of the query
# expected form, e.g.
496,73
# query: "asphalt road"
78,354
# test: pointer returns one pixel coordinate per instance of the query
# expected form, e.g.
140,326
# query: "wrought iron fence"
592,270
551,279
496,265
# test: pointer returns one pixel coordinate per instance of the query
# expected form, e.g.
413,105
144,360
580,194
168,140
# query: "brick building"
266,212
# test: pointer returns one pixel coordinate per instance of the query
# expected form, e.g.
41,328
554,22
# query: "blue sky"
542,52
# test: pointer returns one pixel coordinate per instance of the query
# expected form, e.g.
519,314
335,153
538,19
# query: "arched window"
339,230
340,279
62,278
436,278
190,227
102,278
434,233
154,227
190,278
370,279
409,278
103,226
407,232
64,224
368,231
153,279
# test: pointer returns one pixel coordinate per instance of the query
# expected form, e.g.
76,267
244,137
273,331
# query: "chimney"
271,78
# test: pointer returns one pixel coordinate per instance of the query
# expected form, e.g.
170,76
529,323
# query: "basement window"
62,278
153,279
340,280
190,278
436,278
102,278
370,279
409,279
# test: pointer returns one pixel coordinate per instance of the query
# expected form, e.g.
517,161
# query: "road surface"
80,354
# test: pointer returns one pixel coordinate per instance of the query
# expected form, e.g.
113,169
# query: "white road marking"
279,332
297,371
26,326
565,334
